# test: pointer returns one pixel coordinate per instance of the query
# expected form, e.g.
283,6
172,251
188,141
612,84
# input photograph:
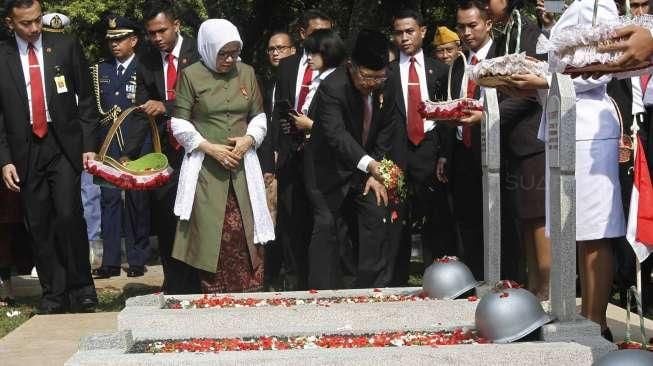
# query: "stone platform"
144,318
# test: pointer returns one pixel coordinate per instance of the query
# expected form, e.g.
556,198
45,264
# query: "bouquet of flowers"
393,180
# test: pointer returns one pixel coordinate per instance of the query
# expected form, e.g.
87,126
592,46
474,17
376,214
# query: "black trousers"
53,209
131,218
178,277
467,189
427,209
294,219
358,219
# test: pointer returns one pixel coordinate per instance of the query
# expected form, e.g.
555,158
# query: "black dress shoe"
135,271
87,305
49,310
607,334
106,272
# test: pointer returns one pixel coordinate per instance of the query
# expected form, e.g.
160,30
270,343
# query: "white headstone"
491,163
561,157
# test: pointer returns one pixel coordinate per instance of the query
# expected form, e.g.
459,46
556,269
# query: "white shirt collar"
125,64
419,58
481,54
23,44
176,51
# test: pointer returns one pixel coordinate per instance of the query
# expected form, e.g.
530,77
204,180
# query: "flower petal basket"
147,172
575,50
495,72
450,109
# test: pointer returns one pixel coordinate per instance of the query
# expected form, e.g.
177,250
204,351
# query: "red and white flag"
640,219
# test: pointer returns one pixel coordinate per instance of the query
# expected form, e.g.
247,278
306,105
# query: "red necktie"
171,81
171,77
644,79
306,83
367,117
471,93
39,121
415,122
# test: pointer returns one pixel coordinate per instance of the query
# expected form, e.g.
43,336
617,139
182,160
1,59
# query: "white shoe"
34,274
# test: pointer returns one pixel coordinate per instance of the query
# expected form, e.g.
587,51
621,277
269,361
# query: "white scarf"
212,36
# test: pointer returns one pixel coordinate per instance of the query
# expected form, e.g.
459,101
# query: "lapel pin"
430,71
48,50
184,60
381,101
244,91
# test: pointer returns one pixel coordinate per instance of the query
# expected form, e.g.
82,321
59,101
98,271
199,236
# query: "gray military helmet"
626,357
508,314
447,278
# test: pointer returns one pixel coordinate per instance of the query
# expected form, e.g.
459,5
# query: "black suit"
50,167
467,181
294,214
523,159
178,276
335,184
427,204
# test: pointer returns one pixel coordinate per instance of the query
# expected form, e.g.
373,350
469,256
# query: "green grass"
110,299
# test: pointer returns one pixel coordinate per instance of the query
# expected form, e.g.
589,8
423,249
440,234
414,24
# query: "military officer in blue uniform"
115,88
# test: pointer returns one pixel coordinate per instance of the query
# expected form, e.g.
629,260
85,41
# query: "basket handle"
463,87
156,142
621,120
632,292
515,15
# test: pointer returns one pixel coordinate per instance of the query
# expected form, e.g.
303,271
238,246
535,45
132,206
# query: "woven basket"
626,148
147,172
450,109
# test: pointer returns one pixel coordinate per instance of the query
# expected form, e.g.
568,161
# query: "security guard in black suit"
115,87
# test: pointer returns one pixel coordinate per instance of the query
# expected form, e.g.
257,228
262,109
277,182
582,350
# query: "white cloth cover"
212,36
190,139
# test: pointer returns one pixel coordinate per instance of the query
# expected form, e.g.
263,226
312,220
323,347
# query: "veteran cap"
55,22
120,27
444,35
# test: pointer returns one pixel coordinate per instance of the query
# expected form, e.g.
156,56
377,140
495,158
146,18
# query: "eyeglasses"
277,49
225,55
370,78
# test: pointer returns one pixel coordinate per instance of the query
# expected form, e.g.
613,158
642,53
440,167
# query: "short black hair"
329,45
12,4
311,14
406,13
153,8
279,32
481,5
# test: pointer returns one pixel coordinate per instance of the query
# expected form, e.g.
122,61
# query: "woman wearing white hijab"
221,199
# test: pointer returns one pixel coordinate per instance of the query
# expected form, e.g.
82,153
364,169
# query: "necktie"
171,81
121,69
471,93
367,117
415,122
306,83
171,77
39,121
644,79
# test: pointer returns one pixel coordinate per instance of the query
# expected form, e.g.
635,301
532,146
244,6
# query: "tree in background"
256,19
